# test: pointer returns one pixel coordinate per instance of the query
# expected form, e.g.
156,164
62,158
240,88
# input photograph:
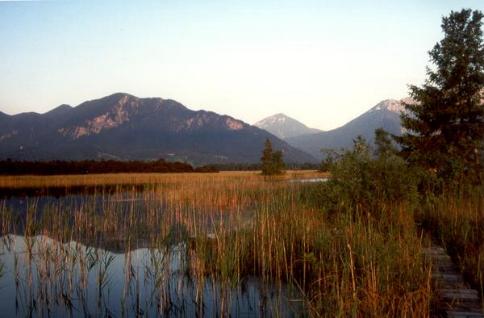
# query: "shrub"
362,182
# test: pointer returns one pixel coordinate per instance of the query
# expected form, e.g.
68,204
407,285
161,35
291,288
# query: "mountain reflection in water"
43,277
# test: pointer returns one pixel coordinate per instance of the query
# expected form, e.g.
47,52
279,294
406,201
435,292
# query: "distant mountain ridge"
385,114
284,126
125,127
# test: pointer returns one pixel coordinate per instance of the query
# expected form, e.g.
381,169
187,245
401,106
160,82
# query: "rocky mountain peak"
276,118
126,127
385,114
392,105
284,126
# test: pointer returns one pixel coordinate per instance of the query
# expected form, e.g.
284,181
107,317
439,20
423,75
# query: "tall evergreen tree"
444,124
266,159
272,162
277,162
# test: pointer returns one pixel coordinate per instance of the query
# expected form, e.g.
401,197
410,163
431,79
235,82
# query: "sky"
320,62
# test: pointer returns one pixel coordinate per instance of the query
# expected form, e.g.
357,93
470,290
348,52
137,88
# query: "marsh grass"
455,218
226,229
146,179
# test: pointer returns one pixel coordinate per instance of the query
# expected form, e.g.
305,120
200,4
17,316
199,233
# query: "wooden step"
455,298
441,258
454,278
464,314
459,294
433,250
449,268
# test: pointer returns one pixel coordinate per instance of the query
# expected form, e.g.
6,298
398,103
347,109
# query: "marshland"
230,243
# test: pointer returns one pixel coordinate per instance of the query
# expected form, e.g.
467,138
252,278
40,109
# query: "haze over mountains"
125,127
284,126
385,114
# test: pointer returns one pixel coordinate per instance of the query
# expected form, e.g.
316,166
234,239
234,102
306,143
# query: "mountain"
284,126
125,127
385,114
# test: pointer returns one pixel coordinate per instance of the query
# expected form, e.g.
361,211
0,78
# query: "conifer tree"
444,125
277,162
272,162
266,159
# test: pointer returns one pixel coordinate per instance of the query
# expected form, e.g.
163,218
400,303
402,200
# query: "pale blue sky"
321,62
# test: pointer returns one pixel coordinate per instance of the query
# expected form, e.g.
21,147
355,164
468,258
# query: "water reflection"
309,180
43,277
170,249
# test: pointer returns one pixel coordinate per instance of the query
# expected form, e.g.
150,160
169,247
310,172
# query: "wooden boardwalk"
455,298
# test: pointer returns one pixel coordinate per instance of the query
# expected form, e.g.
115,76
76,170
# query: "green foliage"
277,161
361,182
444,123
266,159
384,144
271,161
330,157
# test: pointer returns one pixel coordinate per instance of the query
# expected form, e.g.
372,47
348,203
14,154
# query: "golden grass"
34,181
241,224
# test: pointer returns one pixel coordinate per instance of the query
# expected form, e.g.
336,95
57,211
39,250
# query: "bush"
360,182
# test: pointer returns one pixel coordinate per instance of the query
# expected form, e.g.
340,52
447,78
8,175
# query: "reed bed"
221,231
32,181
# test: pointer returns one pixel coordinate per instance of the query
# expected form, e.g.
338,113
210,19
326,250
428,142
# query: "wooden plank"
450,268
464,314
455,298
434,250
442,258
450,278
459,294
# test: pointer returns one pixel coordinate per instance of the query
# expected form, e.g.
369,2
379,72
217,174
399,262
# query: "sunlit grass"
237,225
140,178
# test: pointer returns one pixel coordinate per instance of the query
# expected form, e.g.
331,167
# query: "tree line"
55,167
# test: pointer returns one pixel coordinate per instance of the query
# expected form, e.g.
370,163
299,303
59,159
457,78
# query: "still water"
44,277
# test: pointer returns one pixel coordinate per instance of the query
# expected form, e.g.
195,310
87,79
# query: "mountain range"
284,126
125,127
385,114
